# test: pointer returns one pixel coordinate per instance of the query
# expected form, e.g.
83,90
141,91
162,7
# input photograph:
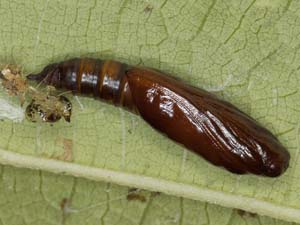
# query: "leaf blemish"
68,149
135,195
243,213
65,207
67,145
148,9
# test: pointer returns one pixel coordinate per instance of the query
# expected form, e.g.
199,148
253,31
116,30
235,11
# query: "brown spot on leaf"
133,190
65,208
135,195
243,213
64,202
148,9
155,193
68,150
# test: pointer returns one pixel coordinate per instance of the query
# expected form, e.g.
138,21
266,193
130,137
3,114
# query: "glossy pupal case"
195,118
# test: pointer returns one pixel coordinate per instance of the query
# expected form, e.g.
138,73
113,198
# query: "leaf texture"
245,51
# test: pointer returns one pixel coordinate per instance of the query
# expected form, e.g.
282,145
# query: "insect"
193,117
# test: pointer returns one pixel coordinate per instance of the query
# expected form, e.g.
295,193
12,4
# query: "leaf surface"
246,51
58,199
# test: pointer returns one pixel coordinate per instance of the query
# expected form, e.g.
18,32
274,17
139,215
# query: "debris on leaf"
148,9
135,195
243,213
46,106
14,82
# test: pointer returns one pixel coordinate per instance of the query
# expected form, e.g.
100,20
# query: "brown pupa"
193,117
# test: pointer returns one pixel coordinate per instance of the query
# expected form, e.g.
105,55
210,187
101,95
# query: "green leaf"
58,199
246,51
